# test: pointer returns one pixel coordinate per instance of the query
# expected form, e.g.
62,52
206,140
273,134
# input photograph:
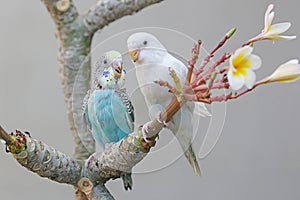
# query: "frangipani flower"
287,72
242,64
273,31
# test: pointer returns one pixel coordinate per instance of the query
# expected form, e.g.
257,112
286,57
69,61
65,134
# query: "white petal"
293,61
255,62
268,18
282,37
287,72
287,68
230,64
250,78
235,82
246,51
279,28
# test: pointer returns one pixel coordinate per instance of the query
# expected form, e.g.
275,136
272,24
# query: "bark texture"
74,33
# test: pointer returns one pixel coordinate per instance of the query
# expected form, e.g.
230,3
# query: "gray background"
257,156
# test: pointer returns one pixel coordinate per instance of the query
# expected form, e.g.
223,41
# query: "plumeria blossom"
287,72
242,64
273,31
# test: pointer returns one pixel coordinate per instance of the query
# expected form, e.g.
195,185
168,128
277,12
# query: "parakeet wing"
198,108
85,109
127,102
201,110
111,116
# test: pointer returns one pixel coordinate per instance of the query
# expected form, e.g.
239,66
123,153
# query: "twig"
212,79
192,61
211,54
206,74
218,85
230,95
167,85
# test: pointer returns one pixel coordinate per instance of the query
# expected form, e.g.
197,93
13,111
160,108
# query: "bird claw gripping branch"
144,142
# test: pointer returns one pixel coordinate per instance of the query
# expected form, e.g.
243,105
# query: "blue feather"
108,117
105,73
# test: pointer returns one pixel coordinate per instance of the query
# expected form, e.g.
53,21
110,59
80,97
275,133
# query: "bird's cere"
118,67
242,64
287,72
273,31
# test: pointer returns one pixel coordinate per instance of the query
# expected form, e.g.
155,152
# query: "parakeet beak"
134,55
118,67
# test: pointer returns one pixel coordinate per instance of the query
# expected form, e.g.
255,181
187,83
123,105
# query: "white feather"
153,64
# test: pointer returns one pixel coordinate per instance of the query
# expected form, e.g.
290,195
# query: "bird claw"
145,131
127,180
166,124
158,118
89,160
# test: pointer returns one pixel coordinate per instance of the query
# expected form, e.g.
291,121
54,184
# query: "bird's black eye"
145,42
105,61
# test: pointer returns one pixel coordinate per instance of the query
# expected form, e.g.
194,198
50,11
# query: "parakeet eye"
105,62
145,42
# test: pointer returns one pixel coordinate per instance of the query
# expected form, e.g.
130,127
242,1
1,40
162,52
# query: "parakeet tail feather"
190,155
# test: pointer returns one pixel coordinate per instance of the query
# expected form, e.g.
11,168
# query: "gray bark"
88,176
74,35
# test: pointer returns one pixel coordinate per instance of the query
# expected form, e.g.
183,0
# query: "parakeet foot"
127,180
145,132
159,119
89,160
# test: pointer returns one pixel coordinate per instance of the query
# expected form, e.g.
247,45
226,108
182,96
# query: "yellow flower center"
240,63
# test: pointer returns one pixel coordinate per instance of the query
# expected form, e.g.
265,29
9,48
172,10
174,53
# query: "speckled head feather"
105,71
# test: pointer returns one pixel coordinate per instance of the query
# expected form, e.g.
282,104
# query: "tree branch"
42,159
74,34
100,192
47,162
107,11
62,11
74,43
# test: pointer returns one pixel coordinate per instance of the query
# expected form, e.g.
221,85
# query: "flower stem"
211,54
192,61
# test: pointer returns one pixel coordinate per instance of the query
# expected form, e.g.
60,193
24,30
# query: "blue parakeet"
107,108
152,62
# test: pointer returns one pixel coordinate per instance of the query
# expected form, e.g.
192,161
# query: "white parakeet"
152,62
